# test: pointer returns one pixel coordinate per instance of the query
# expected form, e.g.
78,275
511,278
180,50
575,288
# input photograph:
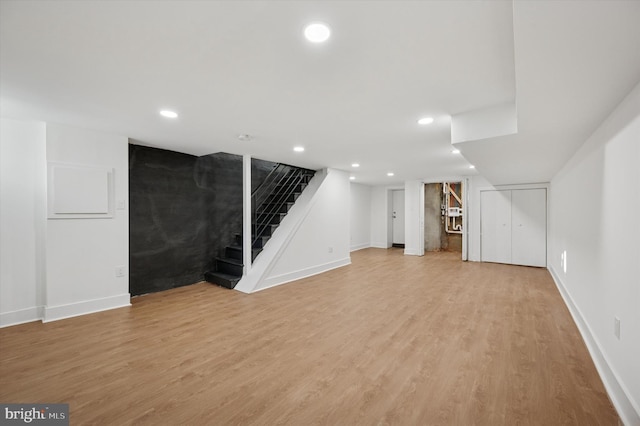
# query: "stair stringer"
275,247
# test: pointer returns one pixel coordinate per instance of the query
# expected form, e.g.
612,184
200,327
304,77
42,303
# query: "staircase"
270,203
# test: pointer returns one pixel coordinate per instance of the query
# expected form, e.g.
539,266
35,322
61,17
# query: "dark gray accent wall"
183,211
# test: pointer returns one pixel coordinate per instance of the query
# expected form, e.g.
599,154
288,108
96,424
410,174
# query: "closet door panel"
495,227
529,227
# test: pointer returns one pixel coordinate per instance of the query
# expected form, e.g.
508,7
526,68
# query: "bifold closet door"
529,227
495,227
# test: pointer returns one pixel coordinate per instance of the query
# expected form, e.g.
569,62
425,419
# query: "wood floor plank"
390,339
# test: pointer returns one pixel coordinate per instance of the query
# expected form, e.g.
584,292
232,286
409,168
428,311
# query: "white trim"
303,273
247,253
413,252
54,313
620,397
535,185
361,246
21,316
384,245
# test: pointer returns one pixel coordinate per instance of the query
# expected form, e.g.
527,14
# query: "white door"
495,226
529,227
398,216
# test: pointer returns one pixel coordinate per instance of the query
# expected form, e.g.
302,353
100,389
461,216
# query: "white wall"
360,212
380,217
595,200
414,218
22,220
82,254
493,121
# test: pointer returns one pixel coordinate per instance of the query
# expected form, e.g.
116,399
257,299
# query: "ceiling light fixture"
352,178
472,166
390,174
245,137
425,120
317,32
168,114
298,148
355,165
455,151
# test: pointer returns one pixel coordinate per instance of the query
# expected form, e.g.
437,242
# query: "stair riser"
273,219
229,268
236,253
282,209
212,278
280,199
266,231
233,253
284,188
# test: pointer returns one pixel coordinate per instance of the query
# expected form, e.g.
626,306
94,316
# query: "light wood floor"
391,339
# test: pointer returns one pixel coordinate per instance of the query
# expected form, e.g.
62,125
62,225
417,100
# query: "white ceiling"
243,67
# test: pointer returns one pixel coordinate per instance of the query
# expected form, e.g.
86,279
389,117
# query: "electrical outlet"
616,327
120,271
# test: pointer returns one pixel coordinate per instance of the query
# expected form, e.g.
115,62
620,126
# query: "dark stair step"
235,252
299,187
266,230
261,241
258,244
229,266
275,207
270,218
282,198
222,279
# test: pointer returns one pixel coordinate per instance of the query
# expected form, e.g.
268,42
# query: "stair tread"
222,279
224,275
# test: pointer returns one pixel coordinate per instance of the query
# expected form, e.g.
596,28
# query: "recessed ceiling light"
390,174
472,166
355,165
317,32
298,149
425,120
352,178
455,151
168,114
245,137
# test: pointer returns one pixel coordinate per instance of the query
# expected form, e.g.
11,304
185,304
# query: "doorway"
397,217
443,214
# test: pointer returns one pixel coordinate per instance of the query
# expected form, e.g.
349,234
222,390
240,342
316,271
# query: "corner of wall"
21,316
629,413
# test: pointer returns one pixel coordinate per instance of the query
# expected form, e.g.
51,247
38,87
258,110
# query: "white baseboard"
627,410
357,247
21,316
380,245
54,313
411,252
303,273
